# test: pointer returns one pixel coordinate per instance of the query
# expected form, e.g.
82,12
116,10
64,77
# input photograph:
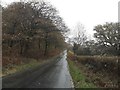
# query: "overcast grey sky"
87,12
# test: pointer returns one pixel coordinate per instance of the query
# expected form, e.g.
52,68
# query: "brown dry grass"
100,70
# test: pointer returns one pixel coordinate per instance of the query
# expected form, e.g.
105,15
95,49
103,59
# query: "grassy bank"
100,71
80,81
21,67
14,64
27,63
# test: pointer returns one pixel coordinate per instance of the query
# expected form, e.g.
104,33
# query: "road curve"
57,76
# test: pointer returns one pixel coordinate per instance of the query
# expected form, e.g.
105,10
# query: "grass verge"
100,70
22,67
79,79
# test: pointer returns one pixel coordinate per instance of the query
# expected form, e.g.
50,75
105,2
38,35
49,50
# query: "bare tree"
80,37
27,22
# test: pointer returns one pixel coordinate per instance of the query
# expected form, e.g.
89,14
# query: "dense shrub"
100,70
109,64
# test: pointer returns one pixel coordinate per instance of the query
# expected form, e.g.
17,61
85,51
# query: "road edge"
22,79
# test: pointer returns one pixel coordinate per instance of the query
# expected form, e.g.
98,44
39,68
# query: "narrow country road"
57,76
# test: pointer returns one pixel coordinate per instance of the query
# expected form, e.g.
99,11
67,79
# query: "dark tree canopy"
32,27
108,37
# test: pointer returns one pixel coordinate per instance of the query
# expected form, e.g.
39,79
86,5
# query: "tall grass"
109,64
105,67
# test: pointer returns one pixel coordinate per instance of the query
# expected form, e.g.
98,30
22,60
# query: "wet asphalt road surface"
57,76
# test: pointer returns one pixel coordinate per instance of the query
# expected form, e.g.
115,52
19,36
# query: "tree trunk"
39,44
21,47
46,44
